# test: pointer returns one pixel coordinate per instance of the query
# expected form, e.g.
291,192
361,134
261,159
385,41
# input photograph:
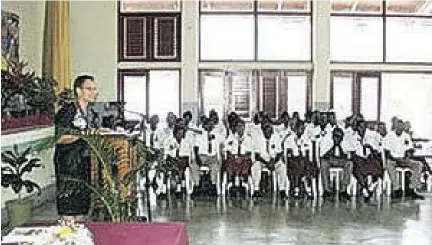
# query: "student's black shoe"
310,196
327,194
343,196
397,194
162,196
282,195
178,194
414,195
257,194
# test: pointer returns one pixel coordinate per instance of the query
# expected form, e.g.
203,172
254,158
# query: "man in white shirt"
154,137
268,153
398,146
334,155
178,153
218,124
239,149
207,153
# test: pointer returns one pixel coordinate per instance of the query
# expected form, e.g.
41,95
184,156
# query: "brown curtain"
56,50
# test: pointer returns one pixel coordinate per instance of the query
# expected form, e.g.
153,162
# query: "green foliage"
38,92
15,165
65,96
119,207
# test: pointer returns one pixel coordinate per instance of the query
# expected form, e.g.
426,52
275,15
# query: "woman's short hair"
79,81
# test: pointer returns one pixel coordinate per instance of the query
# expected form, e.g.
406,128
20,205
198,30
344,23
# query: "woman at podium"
72,156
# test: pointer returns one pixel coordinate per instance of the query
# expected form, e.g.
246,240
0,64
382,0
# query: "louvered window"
149,31
247,92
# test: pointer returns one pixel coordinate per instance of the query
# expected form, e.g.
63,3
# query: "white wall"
93,27
32,16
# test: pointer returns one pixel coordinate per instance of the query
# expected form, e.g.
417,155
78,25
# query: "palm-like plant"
16,165
115,189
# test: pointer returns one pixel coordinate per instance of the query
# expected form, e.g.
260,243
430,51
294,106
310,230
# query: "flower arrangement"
65,233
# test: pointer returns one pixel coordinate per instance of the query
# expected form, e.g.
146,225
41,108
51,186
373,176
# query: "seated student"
238,146
334,155
177,153
207,153
231,122
154,136
298,152
218,124
367,160
268,153
282,123
255,127
169,127
398,145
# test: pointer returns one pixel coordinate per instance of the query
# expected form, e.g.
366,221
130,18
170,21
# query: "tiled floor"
271,221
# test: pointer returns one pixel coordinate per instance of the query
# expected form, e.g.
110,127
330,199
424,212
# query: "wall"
94,44
32,15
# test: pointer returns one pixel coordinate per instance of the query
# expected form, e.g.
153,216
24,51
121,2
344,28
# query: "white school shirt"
397,145
305,144
253,130
290,142
232,142
374,139
220,129
158,137
171,145
267,148
312,131
202,142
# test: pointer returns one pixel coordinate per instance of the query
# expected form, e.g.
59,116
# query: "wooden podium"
126,160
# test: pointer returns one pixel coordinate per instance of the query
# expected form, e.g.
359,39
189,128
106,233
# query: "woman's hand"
67,139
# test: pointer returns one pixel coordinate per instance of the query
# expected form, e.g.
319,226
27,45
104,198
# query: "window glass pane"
149,6
284,5
213,93
369,97
135,96
422,7
409,39
284,38
218,5
358,6
356,38
342,96
297,94
164,93
408,96
227,37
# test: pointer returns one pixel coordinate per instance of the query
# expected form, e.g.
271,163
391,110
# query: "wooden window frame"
150,37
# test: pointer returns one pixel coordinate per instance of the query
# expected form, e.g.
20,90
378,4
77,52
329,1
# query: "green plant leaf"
32,186
33,163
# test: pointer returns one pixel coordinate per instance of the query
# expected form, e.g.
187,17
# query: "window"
356,31
227,37
363,31
255,30
354,92
398,93
409,24
356,39
246,92
284,37
149,31
149,92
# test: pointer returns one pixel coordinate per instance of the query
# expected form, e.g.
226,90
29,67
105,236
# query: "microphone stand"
142,134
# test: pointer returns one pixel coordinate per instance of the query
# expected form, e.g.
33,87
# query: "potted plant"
15,165
27,100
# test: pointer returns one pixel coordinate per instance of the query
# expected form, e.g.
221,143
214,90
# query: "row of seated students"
298,151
